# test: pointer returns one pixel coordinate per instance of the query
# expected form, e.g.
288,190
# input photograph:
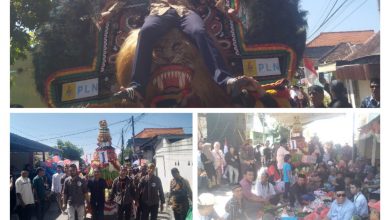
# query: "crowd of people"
137,193
331,95
334,186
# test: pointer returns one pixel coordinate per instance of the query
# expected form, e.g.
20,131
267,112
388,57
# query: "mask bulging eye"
176,47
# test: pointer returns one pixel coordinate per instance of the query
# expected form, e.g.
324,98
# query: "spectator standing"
25,196
233,164
219,162
56,186
39,193
374,100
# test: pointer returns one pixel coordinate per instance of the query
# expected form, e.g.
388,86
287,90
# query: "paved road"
54,214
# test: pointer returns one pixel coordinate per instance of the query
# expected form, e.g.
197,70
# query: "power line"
323,13
81,132
329,17
346,17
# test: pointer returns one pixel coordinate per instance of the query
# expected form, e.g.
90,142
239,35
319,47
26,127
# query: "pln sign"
80,89
262,67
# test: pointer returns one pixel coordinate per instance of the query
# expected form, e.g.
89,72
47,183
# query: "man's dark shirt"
235,210
97,190
123,190
39,186
150,190
298,191
74,189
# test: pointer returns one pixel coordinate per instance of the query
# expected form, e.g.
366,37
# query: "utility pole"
132,125
122,150
379,5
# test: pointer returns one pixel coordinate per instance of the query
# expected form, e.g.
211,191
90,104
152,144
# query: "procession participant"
359,200
252,203
75,194
123,193
178,199
97,187
25,196
163,16
235,205
142,172
341,207
56,186
151,194
39,193
186,185
219,162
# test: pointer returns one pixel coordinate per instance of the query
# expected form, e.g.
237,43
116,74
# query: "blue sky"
354,15
45,126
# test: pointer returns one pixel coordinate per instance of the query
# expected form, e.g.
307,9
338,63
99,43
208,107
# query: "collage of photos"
194,110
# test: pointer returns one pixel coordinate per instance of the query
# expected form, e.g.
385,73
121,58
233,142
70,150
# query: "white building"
170,153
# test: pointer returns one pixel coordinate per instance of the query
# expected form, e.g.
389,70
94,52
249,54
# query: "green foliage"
25,17
70,151
67,40
127,152
277,21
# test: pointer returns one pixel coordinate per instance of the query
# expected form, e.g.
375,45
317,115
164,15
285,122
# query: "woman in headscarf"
219,162
208,162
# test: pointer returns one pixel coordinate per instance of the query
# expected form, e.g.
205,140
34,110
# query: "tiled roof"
335,38
369,48
152,132
339,52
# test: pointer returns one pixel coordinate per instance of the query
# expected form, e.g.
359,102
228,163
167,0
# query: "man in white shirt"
56,186
25,196
359,200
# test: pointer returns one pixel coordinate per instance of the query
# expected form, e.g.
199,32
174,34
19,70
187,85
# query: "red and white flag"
309,69
225,147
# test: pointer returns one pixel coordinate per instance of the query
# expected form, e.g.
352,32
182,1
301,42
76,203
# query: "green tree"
70,151
26,16
127,153
66,40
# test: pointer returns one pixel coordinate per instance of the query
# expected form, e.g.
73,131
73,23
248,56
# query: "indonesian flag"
310,71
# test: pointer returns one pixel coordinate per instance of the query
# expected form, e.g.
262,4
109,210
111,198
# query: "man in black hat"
372,101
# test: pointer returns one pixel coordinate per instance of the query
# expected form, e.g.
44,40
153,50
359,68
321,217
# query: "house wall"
364,89
168,156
